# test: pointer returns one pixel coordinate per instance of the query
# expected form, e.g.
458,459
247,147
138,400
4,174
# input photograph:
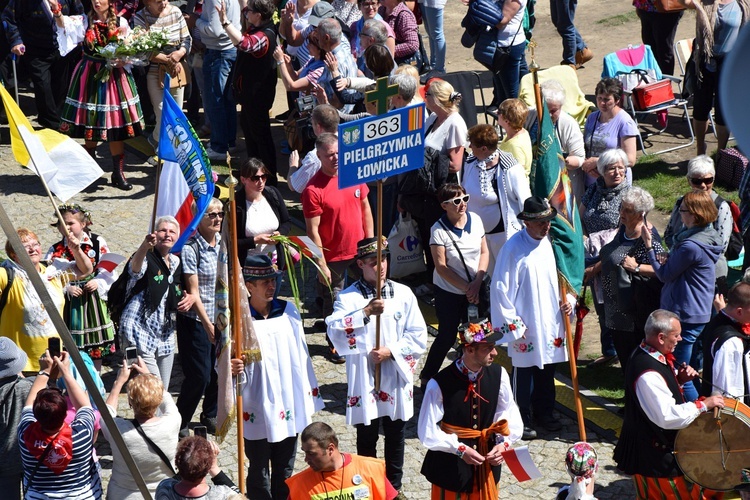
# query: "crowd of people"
666,311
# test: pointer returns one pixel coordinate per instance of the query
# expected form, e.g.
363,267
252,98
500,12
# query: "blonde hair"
445,96
145,394
515,112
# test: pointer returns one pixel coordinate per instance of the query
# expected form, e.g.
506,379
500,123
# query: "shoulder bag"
153,446
484,289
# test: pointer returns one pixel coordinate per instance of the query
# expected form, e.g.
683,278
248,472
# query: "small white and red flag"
109,261
520,464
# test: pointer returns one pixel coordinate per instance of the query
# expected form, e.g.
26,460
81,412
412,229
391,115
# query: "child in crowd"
85,310
582,464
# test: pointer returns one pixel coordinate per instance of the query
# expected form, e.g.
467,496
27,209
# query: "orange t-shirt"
360,478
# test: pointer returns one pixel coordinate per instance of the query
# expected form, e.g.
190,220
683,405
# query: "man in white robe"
526,306
281,392
403,339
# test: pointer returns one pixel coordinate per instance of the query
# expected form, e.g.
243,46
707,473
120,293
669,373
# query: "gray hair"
214,203
641,199
168,219
660,321
330,27
377,30
553,92
700,166
407,86
610,157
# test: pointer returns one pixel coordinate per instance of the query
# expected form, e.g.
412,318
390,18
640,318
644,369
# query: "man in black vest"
655,410
468,418
726,347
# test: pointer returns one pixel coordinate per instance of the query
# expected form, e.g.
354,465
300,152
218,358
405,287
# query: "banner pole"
159,164
378,289
573,371
234,304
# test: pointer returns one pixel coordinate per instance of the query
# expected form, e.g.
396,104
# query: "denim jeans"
508,76
218,100
534,387
433,23
683,353
563,13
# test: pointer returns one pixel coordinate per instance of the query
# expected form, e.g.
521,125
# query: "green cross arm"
381,94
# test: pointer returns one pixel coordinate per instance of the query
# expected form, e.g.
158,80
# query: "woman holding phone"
144,433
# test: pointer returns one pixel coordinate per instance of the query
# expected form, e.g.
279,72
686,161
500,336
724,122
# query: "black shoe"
210,423
549,423
528,434
335,357
320,326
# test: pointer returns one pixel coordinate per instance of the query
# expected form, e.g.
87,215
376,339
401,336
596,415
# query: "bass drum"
711,455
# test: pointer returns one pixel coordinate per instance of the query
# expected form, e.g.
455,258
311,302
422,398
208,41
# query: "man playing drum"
655,410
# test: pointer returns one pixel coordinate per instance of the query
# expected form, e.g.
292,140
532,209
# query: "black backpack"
117,297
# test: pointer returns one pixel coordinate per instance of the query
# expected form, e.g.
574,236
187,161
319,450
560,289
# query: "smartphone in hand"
131,354
200,430
54,346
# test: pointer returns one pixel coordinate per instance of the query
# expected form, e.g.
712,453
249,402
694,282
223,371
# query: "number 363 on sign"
384,127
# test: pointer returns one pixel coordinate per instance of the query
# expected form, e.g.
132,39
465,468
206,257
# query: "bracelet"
279,63
57,16
461,450
42,372
224,25
57,10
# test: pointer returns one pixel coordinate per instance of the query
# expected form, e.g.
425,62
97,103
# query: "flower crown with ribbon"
74,208
479,332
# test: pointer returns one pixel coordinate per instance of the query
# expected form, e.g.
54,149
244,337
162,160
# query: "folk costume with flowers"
404,332
461,409
102,104
87,315
655,409
525,306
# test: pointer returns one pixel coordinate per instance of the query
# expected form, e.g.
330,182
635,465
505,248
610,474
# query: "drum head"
698,448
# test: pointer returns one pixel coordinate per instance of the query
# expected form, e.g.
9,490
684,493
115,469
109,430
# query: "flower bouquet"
136,48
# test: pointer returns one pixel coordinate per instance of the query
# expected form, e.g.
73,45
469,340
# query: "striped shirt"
80,480
205,269
173,24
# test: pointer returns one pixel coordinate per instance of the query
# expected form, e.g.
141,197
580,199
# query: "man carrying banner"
654,410
468,418
403,339
525,300
281,392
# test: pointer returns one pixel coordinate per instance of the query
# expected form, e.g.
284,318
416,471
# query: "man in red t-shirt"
336,220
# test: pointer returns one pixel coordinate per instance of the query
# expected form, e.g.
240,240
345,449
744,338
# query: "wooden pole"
236,320
156,195
378,291
573,371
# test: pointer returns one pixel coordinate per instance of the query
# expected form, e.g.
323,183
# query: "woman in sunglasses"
700,175
261,212
461,257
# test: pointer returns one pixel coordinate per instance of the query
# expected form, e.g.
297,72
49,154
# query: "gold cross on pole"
381,94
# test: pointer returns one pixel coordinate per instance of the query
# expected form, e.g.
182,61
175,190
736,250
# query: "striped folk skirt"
671,488
98,110
90,326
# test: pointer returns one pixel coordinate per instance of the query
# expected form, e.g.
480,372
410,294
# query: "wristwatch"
42,372
224,25
637,269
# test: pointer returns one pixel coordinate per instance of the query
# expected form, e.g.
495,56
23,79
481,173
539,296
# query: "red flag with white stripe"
109,261
520,464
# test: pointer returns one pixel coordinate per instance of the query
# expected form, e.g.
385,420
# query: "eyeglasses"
215,215
31,246
261,177
698,182
427,94
458,200
614,168
371,5
364,34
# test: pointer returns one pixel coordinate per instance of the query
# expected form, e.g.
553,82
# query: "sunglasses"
256,178
698,182
215,215
458,200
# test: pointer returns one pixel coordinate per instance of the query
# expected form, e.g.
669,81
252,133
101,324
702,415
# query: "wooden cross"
381,94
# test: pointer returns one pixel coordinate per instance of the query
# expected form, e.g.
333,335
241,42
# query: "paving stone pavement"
122,218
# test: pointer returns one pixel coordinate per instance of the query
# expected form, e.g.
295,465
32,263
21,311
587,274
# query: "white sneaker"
215,156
